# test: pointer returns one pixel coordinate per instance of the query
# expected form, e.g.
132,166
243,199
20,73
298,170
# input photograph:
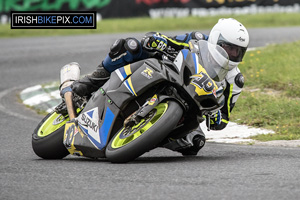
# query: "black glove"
216,118
155,42
217,122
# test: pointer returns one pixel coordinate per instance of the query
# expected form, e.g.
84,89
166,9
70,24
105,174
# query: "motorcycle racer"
230,34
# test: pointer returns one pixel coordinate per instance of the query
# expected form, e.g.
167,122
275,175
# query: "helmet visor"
235,53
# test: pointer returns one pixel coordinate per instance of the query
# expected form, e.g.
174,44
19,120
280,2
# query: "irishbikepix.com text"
60,20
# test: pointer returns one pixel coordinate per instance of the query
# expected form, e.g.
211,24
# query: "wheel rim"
129,134
54,122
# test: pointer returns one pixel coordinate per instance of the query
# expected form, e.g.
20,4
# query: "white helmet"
233,37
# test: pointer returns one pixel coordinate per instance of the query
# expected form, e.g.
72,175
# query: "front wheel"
47,138
131,142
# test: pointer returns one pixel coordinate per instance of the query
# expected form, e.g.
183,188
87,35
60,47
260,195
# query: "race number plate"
69,136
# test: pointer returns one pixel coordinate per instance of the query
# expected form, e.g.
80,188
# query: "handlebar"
171,55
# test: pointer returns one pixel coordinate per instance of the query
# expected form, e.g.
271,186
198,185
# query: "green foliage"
271,98
275,67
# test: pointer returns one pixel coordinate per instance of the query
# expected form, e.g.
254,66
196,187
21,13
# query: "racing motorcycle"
138,108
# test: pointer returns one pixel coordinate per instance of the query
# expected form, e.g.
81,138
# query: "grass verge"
164,24
271,98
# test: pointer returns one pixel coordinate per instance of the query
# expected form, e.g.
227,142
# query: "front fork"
143,111
208,122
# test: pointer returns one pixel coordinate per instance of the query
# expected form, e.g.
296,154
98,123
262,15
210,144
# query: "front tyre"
47,138
131,142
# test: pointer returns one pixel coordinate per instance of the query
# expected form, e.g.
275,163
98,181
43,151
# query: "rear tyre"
47,138
130,143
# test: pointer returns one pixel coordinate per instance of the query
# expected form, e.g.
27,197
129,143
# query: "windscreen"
214,59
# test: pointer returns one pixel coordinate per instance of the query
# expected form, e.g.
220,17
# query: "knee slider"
132,45
117,48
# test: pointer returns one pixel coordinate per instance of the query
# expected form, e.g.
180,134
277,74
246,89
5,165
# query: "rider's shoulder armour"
239,80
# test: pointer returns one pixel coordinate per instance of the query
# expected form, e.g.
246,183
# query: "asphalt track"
220,171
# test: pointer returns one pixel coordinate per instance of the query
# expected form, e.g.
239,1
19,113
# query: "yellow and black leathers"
234,84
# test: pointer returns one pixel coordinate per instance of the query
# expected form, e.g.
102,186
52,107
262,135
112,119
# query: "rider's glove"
155,42
215,120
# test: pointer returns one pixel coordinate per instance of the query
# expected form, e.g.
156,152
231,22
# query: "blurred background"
115,16
151,8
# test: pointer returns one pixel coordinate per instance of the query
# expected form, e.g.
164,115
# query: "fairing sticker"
185,53
148,73
120,74
204,85
89,123
124,72
178,61
196,63
182,56
128,84
69,136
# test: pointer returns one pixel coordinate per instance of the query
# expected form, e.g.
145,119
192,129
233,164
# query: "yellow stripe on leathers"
175,42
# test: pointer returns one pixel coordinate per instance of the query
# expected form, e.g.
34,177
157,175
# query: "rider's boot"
90,83
189,144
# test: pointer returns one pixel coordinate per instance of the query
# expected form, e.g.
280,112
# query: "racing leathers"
129,50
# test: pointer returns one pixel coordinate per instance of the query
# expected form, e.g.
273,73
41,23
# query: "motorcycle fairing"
144,75
78,143
89,123
95,125
190,58
204,85
124,72
69,136
134,79
201,87
205,91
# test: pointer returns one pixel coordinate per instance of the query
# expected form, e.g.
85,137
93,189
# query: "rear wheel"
47,138
131,142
